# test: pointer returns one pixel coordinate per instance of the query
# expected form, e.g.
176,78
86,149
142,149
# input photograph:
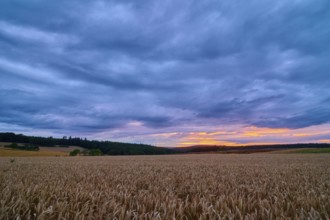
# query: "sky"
167,73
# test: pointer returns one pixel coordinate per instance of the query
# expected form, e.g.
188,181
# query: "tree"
12,145
75,152
95,152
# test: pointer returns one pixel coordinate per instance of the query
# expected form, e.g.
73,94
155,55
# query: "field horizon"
63,146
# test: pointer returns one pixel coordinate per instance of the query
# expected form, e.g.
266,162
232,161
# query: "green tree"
75,152
95,152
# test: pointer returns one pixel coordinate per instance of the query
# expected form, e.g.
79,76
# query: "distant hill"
107,147
199,149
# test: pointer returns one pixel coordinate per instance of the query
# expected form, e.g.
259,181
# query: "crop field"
43,152
205,186
6,152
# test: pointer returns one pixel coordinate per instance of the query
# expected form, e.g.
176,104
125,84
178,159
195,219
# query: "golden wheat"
258,186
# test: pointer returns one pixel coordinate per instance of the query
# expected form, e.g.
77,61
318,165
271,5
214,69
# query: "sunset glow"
255,136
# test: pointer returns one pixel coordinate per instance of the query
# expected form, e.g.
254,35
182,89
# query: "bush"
95,152
29,147
75,152
12,145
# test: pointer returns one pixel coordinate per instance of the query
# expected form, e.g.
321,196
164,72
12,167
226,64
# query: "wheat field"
255,186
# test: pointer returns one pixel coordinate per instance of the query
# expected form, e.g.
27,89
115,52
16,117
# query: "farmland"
205,186
5,152
55,151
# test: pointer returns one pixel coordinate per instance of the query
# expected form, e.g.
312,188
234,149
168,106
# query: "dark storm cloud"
99,65
236,108
309,118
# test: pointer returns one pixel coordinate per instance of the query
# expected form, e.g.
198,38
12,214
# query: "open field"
214,186
43,152
6,152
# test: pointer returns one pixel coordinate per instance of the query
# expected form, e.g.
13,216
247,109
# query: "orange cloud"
202,138
251,136
166,135
324,141
302,135
218,137
305,134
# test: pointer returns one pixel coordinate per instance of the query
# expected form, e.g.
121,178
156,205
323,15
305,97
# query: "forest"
106,147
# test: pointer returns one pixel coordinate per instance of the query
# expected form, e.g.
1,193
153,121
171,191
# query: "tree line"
94,147
106,147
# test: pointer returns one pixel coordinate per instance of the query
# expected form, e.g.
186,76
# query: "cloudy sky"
168,73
